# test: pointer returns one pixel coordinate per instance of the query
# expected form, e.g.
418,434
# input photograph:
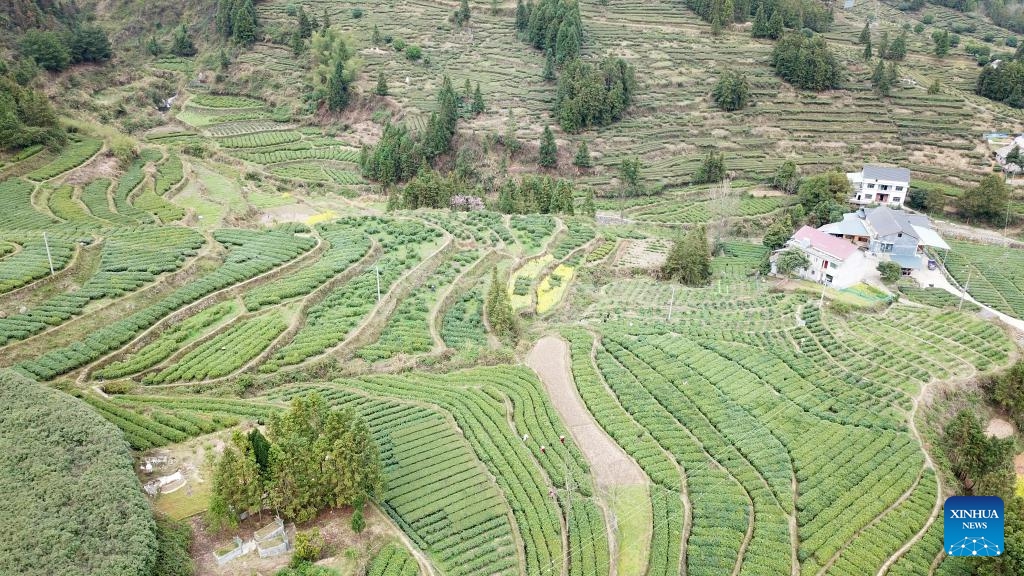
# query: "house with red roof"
835,262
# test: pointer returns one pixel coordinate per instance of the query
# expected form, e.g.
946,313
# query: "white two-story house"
879,185
832,261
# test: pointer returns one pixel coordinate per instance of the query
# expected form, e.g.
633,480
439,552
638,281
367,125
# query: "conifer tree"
548,149
325,22
499,310
382,85
582,158
879,74
760,28
712,169
867,50
588,208
892,75
244,24
225,62
375,37
478,100
463,14
549,67
883,46
337,87
689,261
865,34
775,25
225,17
305,25
298,45
237,482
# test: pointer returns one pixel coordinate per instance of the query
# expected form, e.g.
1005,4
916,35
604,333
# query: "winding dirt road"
610,465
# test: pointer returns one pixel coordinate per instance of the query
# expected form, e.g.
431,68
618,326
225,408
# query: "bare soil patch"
101,167
1000,428
609,464
333,525
288,213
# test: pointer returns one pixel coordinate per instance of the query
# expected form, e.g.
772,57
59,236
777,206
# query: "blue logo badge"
973,526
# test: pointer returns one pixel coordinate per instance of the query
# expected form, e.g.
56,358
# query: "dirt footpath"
610,465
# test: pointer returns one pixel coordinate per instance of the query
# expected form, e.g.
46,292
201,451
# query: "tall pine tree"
337,87
244,23
548,149
689,261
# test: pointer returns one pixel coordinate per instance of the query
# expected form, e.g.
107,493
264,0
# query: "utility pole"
377,270
963,290
671,302
48,256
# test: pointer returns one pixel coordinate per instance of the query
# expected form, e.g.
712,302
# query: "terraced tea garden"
236,259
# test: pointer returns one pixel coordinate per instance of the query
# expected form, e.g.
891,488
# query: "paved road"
938,279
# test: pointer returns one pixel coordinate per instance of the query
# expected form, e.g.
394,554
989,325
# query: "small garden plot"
553,287
285,154
532,230
174,64
738,259
523,279
153,421
642,254
224,353
73,156
602,250
253,128
198,117
169,342
96,195
148,201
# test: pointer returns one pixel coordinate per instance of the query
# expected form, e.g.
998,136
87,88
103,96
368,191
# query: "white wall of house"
874,191
836,274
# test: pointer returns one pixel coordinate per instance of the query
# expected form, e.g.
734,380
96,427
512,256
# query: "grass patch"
631,506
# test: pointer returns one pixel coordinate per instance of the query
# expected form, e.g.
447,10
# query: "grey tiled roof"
887,221
886,173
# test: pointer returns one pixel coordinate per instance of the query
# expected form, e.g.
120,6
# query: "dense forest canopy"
71,505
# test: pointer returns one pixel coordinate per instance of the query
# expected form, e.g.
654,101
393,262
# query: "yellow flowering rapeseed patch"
553,287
